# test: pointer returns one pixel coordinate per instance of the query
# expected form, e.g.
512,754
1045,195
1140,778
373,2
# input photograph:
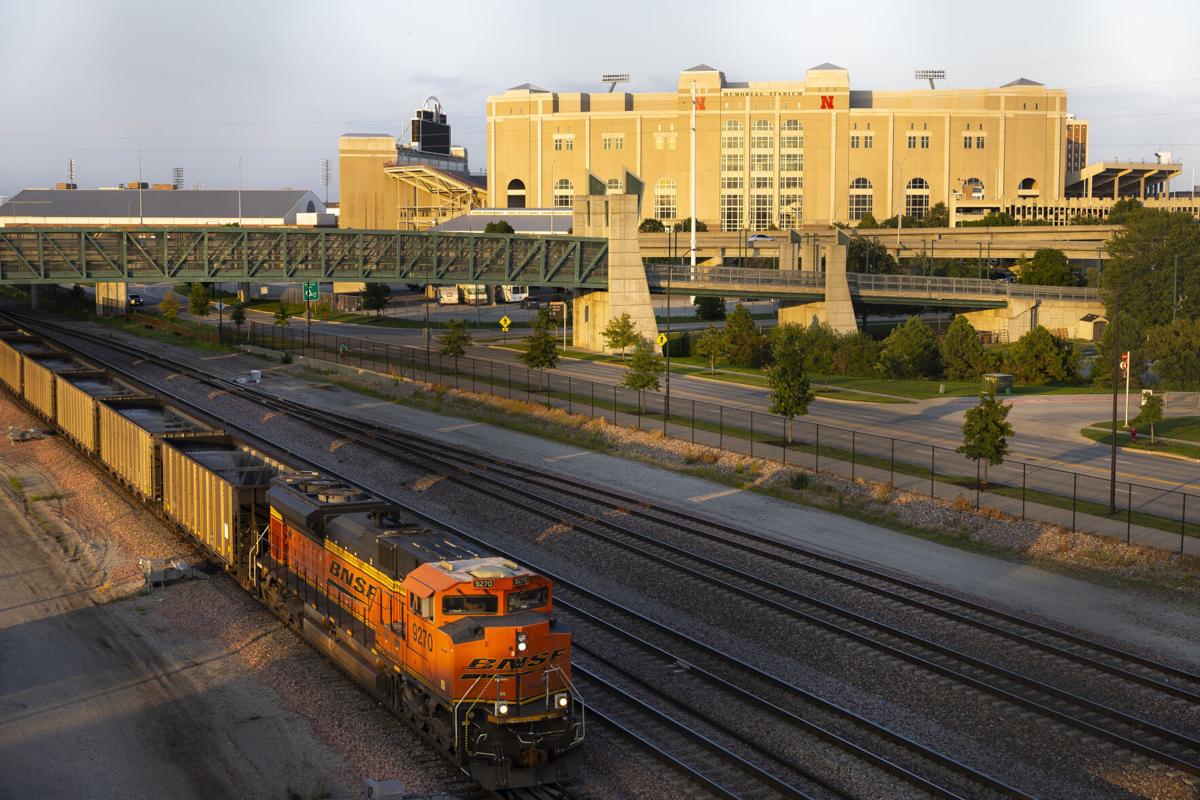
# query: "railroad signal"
311,291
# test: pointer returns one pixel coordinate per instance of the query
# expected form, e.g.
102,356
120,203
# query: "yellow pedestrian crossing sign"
504,323
662,340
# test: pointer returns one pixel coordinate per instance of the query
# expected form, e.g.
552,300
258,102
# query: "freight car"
459,641
13,345
131,434
40,375
76,409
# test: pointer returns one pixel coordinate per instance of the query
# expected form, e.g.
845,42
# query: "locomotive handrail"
576,697
474,701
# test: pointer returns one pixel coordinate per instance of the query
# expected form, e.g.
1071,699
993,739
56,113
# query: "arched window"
916,198
761,135
311,207
612,186
973,189
763,125
862,198
516,194
563,193
792,137
731,135
665,205
1029,185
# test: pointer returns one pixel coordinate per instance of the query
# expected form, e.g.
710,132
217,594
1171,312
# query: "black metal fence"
1162,517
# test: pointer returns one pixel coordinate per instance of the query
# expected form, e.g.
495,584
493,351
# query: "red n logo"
700,103
826,101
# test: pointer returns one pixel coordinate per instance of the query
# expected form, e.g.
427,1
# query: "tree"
856,354
710,345
455,341
963,356
282,315
1141,268
1151,413
376,296
1040,357
790,389
816,341
992,219
867,221
651,226
709,308
323,309
985,433
499,226
169,306
543,344
237,315
910,350
619,333
745,345
1122,210
1175,351
869,256
1049,267
685,224
199,300
644,368
938,216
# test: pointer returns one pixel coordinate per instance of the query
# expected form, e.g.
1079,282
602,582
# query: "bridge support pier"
112,299
614,216
33,297
837,309
1021,315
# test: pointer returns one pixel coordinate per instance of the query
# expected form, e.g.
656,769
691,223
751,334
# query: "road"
1046,427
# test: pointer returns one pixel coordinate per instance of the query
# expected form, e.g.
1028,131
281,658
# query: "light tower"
326,173
930,75
614,79
177,177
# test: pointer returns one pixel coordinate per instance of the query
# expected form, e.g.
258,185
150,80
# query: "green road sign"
311,291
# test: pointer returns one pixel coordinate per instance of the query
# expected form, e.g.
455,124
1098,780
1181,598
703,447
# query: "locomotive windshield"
530,598
470,604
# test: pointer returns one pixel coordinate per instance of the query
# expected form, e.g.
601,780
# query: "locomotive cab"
485,630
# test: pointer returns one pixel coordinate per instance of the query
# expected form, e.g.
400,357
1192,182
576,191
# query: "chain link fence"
1162,517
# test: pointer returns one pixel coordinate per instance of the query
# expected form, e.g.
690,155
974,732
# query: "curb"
1139,451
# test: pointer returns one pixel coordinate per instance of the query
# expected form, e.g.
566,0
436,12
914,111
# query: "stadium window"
966,142
862,198
563,193
979,142
924,142
613,186
731,212
665,191
854,142
868,141
912,141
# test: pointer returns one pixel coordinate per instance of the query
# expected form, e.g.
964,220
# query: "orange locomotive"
459,641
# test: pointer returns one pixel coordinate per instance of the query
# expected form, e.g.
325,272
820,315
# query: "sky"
204,85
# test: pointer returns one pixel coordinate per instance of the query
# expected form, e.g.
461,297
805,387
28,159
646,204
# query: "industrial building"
165,206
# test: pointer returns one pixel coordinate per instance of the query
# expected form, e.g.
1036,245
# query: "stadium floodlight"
613,79
930,75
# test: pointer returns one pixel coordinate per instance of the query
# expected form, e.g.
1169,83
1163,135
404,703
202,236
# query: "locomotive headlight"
522,644
562,700
502,708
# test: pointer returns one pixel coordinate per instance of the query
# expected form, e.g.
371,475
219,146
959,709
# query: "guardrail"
684,275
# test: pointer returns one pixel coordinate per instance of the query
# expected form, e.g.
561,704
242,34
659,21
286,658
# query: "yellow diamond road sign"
662,339
505,322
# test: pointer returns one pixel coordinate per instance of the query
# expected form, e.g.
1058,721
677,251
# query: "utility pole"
1116,360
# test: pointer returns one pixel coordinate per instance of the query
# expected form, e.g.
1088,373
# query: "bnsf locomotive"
458,641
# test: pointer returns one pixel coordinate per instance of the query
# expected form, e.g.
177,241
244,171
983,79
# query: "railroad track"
504,480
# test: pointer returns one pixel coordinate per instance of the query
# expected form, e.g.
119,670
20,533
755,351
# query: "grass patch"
184,333
15,484
1104,436
1173,428
37,498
